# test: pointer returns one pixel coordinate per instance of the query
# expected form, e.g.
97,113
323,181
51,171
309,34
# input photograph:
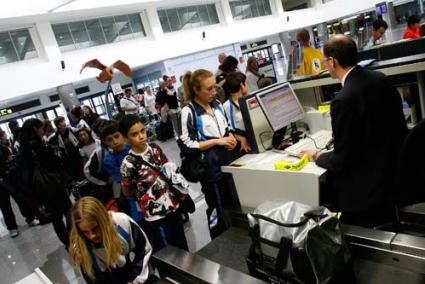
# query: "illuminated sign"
6,111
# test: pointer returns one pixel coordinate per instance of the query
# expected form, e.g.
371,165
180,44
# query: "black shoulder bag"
186,202
194,167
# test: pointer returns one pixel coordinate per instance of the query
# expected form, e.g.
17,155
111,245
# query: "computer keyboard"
321,138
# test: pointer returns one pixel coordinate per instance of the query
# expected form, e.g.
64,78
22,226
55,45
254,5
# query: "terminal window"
245,9
16,45
175,19
83,34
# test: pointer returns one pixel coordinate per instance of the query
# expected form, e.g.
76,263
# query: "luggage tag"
285,165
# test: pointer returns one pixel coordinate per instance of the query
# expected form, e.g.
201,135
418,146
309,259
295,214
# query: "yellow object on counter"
285,165
324,108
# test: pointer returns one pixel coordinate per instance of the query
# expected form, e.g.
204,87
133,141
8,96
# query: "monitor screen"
280,106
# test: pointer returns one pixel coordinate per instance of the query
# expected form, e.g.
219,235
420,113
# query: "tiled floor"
39,246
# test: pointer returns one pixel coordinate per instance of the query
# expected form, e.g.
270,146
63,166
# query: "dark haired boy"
117,150
162,221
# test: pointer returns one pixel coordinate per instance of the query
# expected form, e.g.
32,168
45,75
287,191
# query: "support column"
152,23
227,12
47,45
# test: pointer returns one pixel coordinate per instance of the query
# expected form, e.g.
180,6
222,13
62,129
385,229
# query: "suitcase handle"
313,214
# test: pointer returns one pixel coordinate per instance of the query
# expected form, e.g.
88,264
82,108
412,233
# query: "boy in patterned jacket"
140,177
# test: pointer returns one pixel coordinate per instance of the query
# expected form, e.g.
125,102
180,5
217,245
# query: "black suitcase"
164,131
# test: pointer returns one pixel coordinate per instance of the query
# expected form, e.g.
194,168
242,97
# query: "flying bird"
107,71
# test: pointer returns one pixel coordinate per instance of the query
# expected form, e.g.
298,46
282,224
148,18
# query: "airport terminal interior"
212,141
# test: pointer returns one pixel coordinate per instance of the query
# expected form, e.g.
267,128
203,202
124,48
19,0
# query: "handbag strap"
195,119
161,174
315,214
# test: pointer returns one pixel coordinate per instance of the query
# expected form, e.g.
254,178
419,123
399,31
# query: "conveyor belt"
379,257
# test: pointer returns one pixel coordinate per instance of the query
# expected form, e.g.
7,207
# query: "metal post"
108,107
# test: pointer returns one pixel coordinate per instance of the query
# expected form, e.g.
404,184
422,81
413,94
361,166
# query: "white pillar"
152,24
278,8
48,46
227,12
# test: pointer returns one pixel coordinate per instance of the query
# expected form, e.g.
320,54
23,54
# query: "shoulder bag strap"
195,120
152,167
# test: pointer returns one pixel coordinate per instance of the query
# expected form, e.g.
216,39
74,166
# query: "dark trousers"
216,190
166,231
59,207
217,199
7,211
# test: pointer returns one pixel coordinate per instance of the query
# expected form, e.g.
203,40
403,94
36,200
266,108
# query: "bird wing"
94,63
123,67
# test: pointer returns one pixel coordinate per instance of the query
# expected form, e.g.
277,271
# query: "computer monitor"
280,105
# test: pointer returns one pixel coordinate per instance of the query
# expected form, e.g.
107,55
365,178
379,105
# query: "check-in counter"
254,175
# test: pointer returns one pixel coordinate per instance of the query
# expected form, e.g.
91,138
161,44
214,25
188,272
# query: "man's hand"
311,154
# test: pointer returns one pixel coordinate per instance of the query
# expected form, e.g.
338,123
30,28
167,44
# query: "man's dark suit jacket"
369,128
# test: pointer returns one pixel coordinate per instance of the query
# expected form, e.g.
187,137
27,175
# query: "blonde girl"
102,241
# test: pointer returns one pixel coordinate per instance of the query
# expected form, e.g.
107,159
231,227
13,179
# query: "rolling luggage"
297,243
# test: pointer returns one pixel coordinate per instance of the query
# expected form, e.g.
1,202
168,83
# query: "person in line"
253,75
89,116
76,119
94,170
149,100
180,95
174,110
52,194
229,65
15,141
161,218
379,27
86,144
65,145
128,103
237,84
413,29
48,129
5,141
312,59
5,204
213,139
368,127
221,56
101,244
111,136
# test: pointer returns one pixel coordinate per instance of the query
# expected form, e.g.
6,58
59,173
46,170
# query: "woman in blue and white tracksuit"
212,138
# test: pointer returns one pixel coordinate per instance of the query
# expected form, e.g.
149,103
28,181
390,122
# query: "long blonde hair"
193,81
90,209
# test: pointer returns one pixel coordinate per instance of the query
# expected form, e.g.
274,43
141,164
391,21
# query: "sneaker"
14,233
34,222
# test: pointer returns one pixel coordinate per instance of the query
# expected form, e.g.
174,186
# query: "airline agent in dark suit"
368,128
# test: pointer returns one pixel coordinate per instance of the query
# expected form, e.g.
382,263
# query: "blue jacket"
112,163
